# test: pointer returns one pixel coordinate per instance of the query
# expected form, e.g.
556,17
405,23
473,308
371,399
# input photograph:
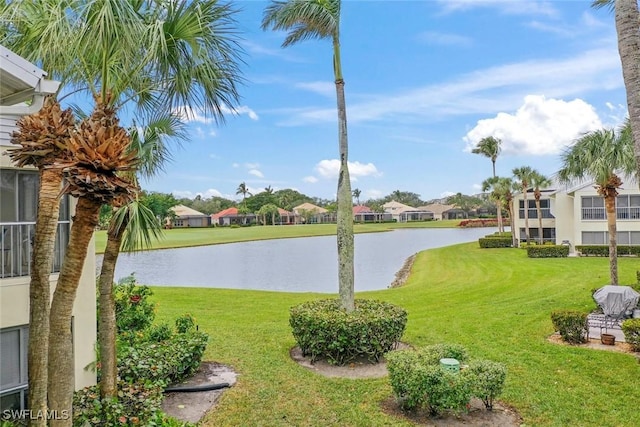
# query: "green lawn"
497,302
181,237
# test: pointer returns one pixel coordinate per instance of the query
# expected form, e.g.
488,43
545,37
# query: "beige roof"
310,207
437,208
182,210
396,206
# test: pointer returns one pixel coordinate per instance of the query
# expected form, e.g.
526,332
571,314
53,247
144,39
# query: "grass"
183,237
496,302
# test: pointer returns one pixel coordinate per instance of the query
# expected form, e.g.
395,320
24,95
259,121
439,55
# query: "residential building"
442,211
187,217
23,87
231,216
308,213
576,215
405,213
365,214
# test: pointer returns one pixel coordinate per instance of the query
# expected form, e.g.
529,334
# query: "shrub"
159,333
134,312
548,251
163,363
136,404
495,242
432,354
572,325
323,329
185,323
603,250
631,329
487,379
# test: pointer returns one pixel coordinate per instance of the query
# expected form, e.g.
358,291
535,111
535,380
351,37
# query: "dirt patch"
477,415
594,343
193,406
360,368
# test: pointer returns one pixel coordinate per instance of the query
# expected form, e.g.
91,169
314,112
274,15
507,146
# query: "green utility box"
451,365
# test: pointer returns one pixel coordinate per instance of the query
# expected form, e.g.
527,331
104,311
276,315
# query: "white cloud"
488,90
212,133
256,172
540,126
445,39
212,192
374,194
330,169
310,179
508,7
190,115
477,187
252,165
446,194
235,165
327,89
243,109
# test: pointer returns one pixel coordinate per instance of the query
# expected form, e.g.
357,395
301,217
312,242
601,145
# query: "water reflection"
293,265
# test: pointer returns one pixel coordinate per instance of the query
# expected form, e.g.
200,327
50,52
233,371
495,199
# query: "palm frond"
142,227
303,19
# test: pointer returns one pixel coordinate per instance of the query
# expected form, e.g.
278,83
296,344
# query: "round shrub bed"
323,329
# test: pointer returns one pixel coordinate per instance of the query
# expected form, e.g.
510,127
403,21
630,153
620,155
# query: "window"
628,206
532,211
13,368
18,210
548,234
602,237
593,208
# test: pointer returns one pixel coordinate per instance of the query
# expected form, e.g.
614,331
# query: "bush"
185,323
418,384
631,329
136,404
548,251
163,363
432,354
603,250
495,242
487,379
159,333
572,325
134,312
323,329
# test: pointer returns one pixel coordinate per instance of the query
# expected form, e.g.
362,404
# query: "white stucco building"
22,90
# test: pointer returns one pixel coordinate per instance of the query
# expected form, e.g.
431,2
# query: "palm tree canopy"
489,147
523,174
539,182
598,155
303,19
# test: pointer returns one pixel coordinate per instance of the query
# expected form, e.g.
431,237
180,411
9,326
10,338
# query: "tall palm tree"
160,55
42,137
523,175
500,191
600,155
491,147
268,190
244,190
320,19
356,194
627,17
538,182
132,227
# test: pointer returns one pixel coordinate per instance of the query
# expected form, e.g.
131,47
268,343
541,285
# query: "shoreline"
403,274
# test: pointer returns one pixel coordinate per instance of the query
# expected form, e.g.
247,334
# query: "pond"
306,264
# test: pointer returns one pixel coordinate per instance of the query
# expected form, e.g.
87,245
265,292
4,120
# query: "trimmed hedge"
495,242
631,329
323,329
573,326
603,250
548,251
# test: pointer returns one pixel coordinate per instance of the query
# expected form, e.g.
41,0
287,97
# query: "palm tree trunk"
610,204
526,215
510,215
107,313
40,290
61,362
627,17
539,212
345,210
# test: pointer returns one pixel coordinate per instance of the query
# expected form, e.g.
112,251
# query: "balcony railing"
632,213
16,241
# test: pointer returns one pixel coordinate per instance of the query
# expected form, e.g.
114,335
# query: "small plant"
323,329
185,323
159,333
487,379
548,251
432,354
631,329
573,326
134,312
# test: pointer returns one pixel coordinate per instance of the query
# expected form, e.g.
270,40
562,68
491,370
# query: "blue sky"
425,80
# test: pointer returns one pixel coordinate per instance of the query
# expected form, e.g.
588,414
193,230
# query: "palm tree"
42,137
627,17
600,155
524,174
132,227
268,190
244,190
500,193
118,52
490,147
320,19
356,194
539,181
